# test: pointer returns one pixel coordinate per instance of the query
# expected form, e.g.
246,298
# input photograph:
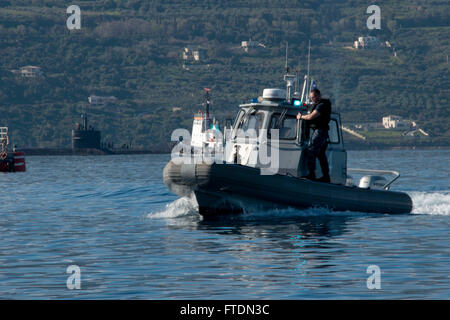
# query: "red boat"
10,161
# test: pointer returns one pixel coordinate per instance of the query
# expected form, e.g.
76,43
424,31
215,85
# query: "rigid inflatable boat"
261,158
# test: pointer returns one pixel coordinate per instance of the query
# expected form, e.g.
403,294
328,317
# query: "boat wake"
180,208
430,203
435,203
186,207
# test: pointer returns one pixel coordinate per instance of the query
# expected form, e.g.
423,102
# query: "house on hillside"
367,43
29,72
396,122
194,58
101,101
193,54
249,45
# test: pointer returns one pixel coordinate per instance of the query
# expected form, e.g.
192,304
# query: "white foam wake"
182,207
436,203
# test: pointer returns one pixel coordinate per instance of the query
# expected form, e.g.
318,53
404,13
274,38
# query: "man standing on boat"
318,120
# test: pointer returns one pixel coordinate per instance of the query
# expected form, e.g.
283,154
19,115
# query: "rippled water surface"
132,238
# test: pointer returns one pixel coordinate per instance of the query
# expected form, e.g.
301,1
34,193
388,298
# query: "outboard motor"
372,182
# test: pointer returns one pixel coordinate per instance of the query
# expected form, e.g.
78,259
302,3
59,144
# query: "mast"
304,89
289,78
207,102
309,58
286,66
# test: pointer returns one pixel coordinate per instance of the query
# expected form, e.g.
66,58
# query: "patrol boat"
263,158
206,133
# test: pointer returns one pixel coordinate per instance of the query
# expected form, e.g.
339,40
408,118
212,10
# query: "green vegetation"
132,50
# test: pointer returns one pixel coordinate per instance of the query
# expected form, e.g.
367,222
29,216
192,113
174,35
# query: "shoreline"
88,152
96,152
361,148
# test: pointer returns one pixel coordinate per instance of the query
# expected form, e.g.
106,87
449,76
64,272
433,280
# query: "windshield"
251,123
287,126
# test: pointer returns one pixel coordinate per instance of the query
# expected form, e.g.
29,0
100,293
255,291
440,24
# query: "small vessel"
262,158
205,129
10,161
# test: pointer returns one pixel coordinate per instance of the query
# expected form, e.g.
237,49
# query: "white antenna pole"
304,88
286,66
309,58
288,84
309,55
289,78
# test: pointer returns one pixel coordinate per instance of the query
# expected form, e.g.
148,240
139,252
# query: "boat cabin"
266,134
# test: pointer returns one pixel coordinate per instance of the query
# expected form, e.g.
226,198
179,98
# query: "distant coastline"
376,147
87,152
95,152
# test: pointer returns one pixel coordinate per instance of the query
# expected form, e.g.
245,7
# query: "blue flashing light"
297,103
254,100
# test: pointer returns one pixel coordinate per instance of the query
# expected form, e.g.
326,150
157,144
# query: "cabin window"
333,133
251,123
287,127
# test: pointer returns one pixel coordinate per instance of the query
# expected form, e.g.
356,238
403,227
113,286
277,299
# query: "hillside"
132,50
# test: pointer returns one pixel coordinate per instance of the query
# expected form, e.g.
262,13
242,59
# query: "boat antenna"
286,66
297,81
289,78
207,102
306,81
309,59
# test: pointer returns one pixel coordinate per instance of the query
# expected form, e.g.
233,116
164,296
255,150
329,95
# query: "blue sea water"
113,217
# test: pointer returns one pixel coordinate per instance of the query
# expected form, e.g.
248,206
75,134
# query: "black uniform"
323,106
319,139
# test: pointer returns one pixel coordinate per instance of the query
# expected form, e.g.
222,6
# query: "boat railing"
386,186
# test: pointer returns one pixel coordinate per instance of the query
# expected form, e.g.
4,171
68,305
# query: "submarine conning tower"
84,137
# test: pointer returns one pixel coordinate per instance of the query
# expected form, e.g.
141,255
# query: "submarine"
85,137
261,159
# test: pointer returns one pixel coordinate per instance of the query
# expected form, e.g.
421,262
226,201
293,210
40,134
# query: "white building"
101,101
247,45
366,43
396,122
191,54
31,72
